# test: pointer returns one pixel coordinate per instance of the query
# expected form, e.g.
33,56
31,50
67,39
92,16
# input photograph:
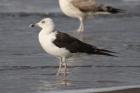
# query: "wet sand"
125,91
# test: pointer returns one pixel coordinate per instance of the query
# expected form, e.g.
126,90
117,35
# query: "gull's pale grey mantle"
62,45
92,6
82,8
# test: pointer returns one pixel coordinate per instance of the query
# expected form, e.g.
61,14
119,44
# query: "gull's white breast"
46,41
70,10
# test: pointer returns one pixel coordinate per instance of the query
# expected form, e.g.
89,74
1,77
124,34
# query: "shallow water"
26,68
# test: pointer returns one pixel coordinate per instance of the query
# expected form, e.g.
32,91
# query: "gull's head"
46,23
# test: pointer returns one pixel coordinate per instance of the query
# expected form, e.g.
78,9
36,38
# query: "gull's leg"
65,66
65,73
81,27
60,66
64,78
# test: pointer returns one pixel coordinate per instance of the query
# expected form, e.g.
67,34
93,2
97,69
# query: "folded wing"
76,46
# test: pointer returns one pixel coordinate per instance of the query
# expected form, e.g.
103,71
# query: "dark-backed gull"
62,45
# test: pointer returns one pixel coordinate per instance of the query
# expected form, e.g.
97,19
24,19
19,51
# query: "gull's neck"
48,29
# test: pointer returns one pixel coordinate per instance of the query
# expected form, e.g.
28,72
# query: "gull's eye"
42,22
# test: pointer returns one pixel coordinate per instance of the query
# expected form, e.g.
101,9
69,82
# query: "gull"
62,45
80,9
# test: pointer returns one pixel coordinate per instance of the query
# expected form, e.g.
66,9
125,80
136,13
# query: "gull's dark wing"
74,45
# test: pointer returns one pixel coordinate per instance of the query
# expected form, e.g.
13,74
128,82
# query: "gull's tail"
110,9
104,52
114,10
90,49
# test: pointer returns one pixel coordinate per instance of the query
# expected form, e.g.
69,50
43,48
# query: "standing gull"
80,9
62,45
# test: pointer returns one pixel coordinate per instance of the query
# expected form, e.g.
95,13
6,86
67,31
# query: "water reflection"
64,80
52,82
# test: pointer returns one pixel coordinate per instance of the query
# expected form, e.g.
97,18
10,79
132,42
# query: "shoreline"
121,89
